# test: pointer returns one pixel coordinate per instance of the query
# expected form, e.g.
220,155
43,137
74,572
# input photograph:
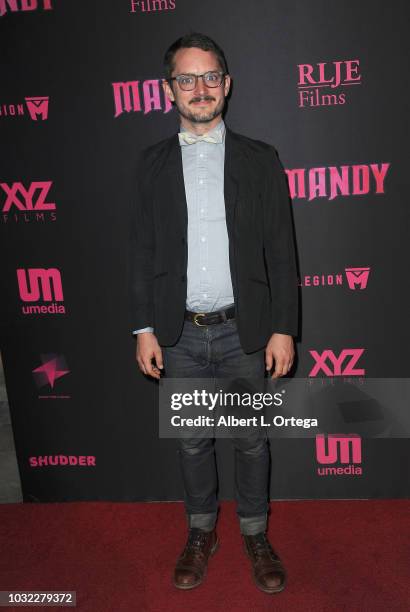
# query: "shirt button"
201,155
203,268
205,295
202,210
203,238
200,181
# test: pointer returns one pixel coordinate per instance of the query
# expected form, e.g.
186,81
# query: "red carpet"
340,555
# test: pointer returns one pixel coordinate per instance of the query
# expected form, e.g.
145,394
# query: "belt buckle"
199,314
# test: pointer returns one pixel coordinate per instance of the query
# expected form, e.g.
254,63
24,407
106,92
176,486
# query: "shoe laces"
261,546
196,540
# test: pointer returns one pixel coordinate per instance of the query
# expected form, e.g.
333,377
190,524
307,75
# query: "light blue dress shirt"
209,285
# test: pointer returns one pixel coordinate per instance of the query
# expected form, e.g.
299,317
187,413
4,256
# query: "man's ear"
227,84
168,90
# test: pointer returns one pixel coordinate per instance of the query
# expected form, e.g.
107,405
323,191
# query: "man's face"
202,104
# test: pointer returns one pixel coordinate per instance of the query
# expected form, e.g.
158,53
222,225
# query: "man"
214,287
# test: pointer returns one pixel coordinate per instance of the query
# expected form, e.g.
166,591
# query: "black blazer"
261,247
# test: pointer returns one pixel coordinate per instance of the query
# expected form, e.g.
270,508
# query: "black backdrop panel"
326,85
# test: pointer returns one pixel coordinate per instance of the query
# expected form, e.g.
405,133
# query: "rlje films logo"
52,368
149,6
342,455
331,364
356,278
140,96
325,83
14,6
43,286
37,108
26,204
331,182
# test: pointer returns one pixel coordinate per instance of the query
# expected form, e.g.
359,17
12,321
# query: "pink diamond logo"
53,367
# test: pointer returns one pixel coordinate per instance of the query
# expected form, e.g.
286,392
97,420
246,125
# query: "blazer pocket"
159,275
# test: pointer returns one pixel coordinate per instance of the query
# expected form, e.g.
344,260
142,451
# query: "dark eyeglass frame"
197,76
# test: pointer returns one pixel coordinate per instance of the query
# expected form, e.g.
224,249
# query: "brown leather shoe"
190,569
268,571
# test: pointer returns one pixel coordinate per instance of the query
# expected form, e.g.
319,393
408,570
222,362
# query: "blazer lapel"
176,183
232,176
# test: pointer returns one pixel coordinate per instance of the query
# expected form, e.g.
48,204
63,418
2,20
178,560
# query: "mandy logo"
132,96
332,182
33,198
42,283
357,276
38,107
23,5
331,365
53,367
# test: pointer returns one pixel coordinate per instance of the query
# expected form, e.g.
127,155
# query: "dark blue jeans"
210,352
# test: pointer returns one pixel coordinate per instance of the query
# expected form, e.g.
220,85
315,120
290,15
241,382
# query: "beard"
201,115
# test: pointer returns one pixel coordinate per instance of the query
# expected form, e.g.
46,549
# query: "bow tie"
186,138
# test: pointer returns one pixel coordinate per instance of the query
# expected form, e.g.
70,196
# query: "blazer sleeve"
279,249
141,253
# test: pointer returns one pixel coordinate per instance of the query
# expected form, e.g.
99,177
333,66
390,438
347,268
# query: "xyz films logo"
137,96
14,6
27,204
43,286
344,364
342,452
52,368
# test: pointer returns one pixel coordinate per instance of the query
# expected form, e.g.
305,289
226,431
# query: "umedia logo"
53,367
41,285
328,77
332,365
14,6
342,449
137,96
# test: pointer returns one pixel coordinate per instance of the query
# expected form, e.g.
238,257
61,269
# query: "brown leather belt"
210,318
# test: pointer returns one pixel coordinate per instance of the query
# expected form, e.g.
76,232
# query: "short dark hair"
194,39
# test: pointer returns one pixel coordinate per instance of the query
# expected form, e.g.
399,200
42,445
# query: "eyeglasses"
188,82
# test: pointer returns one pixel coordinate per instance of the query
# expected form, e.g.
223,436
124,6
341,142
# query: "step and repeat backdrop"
80,97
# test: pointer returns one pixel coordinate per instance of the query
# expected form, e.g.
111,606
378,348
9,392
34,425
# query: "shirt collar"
220,127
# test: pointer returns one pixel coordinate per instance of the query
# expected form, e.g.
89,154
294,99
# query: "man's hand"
148,349
279,349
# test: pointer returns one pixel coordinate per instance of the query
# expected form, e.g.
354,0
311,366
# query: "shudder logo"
329,77
14,6
342,449
331,364
137,96
41,285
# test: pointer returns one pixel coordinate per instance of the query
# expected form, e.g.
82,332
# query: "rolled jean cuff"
206,522
251,525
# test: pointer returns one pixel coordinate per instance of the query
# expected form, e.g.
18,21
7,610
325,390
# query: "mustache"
202,98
